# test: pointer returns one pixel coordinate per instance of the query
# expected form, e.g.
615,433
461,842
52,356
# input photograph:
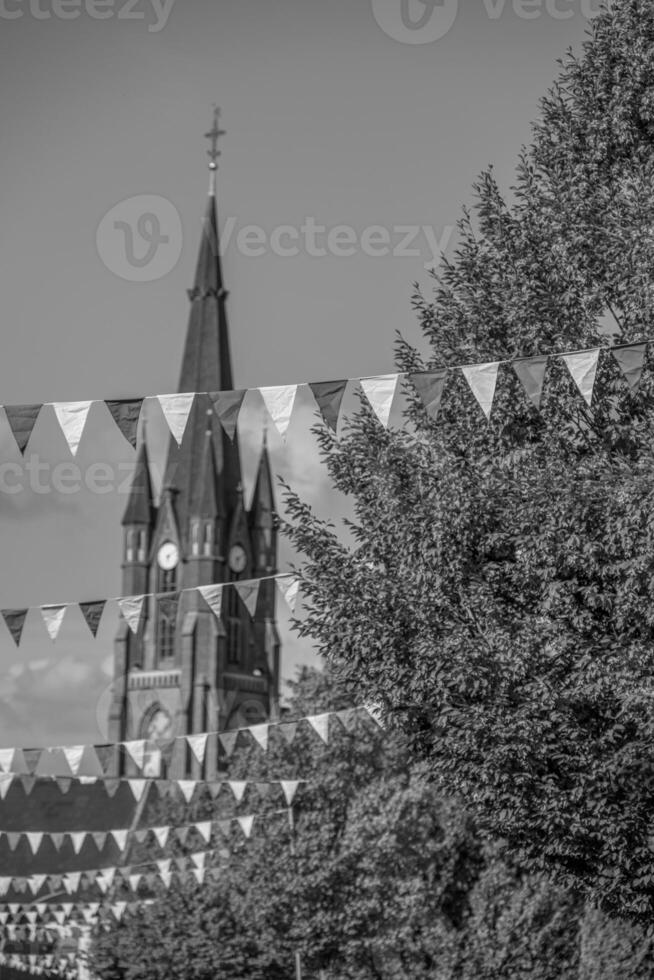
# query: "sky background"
334,112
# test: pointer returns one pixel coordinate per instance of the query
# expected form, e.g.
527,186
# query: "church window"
234,627
166,614
143,545
195,537
208,539
130,545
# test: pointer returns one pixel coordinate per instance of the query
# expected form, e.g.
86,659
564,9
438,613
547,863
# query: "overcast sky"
337,113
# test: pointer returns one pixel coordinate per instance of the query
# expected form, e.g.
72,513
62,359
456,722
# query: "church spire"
139,510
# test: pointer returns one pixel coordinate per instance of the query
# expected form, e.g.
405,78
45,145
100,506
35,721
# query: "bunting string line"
137,753
279,401
132,607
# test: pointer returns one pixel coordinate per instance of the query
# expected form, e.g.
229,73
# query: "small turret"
137,523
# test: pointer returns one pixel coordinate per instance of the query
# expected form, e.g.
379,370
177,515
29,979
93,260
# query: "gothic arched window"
234,625
166,613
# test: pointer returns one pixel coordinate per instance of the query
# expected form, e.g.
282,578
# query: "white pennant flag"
136,751
289,788
6,779
583,368
320,724
137,787
197,745
166,877
117,909
71,881
186,788
380,392
176,409
131,608
238,788
71,417
289,586
204,829
36,882
482,379
135,881
164,865
73,755
213,596
198,873
120,838
260,734
279,403
53,617
161,833
78,838
34,839
248,593
6,758
246,824
198,858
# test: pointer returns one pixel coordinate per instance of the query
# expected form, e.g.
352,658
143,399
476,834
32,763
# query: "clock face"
167,556
237,558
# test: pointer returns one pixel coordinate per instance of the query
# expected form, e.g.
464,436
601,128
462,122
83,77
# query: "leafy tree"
497,597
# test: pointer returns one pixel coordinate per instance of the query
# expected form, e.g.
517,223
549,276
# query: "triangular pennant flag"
6,759
176,409
34,838
348,718
15,620
287,730
120,838
125,413
227,405
328,396
6,779
117,909
135,881
131,608
163,865
429,386
197,745
106,755
228,741
182,833
32,758
631,360
161,833
374,712
137,787
320,724
63,784
531,374
289,789
198,874
186,788
111,786
213,596
92,613
246,824
279,402
136,751
289,586
73,755
13,839
99,839
77,839
204,829
36,883
71,416
57,840
140,834
22,419
482,379
238,787
583,368
380,392
248,593
260,734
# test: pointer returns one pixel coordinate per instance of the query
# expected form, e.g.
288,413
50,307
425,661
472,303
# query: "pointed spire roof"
140,505
206,366
263,500
208,503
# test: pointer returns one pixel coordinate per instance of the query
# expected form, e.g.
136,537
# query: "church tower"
187,670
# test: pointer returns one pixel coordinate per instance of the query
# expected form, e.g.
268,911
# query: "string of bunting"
121,836
279,401
102,756
132,607
43,964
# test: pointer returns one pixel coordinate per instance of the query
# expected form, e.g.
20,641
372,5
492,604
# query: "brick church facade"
187,670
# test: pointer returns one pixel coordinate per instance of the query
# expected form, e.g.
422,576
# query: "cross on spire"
214,135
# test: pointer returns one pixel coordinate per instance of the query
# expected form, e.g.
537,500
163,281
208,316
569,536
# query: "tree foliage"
497,599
